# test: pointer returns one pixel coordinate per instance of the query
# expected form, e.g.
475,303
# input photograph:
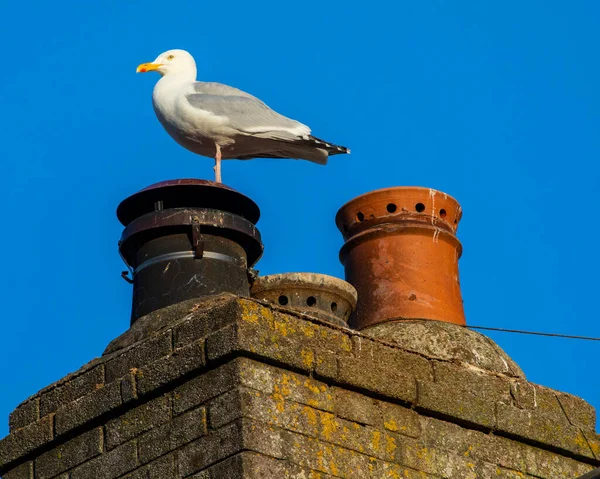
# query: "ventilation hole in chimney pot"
391,208
443,213
334,306
420,207
311,300
455,221
360,216
283,300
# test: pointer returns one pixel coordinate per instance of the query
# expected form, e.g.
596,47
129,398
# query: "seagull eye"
170,57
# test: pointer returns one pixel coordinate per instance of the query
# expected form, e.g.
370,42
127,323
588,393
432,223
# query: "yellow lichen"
391,425
308,358
390,445
329,425
376,440
312,387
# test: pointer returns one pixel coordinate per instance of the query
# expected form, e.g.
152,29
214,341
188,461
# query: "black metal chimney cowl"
186,239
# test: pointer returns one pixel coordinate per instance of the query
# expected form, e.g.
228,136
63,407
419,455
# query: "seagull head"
171,62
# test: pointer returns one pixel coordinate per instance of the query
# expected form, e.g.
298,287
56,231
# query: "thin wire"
588,338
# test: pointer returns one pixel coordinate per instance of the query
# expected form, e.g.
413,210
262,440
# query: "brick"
139,355
277,336
390,358
159,373
24,414
438,462
466,405
226,408
201,324
203,388
129,387
259,437
210,449
593,440
137,421
24,471
163,468
392,384
469,382
169,436
109,465
399,419
274,411
326,365
578,412
250,465
270,409
72,390
87,408
70,454
259,466
469,443
25,440
355,407
498,472
500,451
222,343
292,386
542,428
330,459
230,468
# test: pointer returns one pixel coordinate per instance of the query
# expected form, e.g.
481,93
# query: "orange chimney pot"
401,254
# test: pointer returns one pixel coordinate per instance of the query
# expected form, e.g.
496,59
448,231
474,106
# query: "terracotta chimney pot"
401,254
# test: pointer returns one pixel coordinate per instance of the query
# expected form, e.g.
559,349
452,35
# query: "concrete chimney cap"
448,342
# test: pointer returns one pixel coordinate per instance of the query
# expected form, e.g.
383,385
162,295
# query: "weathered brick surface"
210,449
578,412
378,380
295,387
165,370
25,440
170,436
355,407
24,471
542,429
87,408
251,465
24,414
136,421
146,352
398,419
109,465
79,386
201,389
163,468
315,401
391,359
70,454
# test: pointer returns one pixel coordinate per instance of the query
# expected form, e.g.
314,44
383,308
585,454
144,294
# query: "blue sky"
494,103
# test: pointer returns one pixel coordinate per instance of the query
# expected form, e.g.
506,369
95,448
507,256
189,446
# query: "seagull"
222,122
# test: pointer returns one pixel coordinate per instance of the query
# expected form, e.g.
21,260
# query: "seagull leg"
217,167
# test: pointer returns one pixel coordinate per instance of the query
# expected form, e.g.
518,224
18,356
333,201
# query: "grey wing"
249,115
220,89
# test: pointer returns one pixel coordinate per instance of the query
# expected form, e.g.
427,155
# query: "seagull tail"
314,149
308,148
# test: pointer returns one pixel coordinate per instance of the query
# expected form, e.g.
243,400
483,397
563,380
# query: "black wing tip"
329,147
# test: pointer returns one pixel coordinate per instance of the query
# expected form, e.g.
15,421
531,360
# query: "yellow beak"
148,67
